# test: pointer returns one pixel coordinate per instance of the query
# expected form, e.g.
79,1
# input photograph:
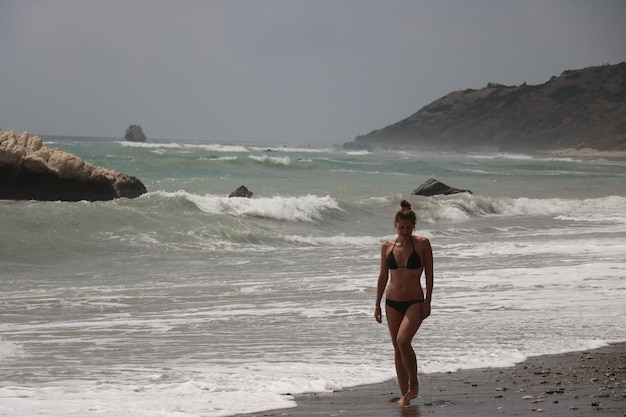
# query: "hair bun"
405,205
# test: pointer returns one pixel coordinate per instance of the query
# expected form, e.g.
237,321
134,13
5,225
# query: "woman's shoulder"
388,242
421,239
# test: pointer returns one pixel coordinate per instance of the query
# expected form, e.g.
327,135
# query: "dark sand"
586,383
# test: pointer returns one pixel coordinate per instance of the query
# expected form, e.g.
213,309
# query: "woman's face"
404,227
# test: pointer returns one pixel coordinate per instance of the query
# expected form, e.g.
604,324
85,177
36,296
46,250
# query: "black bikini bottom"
401,306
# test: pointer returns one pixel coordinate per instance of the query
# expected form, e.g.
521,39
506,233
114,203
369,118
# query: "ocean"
184,302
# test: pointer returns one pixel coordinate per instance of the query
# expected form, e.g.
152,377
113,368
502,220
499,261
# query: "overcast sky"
278,71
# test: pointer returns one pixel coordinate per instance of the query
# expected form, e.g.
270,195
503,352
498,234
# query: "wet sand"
586,383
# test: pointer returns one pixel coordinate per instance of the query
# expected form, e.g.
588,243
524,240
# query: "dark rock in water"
134,133
31,171
357,146
434,187
241,192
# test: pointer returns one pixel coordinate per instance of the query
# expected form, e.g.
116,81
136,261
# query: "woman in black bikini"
406,307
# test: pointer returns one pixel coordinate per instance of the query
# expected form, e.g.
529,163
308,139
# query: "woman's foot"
412,392
404,401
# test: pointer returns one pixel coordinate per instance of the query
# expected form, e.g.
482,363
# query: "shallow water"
182,301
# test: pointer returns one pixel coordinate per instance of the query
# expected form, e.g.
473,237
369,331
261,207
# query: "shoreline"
584,154
572,384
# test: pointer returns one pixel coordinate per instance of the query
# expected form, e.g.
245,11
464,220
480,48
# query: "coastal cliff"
579,108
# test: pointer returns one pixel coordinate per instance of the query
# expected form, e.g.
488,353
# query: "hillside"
579,108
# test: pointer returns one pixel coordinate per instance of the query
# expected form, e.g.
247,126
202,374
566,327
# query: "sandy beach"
585,383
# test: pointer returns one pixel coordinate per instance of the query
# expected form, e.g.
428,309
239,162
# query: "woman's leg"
402,329
408,327
394,320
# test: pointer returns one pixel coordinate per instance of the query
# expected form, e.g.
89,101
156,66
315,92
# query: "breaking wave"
298,209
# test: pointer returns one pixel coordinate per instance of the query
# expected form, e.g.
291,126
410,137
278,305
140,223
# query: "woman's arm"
383,277
429,274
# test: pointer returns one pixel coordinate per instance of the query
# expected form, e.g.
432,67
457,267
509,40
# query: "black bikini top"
414,261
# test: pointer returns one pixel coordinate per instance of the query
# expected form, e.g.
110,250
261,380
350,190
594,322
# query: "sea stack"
134,133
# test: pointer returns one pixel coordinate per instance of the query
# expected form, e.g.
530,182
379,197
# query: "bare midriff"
405,285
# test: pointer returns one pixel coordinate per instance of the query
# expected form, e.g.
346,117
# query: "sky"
278,71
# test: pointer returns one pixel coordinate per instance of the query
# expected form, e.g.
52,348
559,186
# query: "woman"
406,258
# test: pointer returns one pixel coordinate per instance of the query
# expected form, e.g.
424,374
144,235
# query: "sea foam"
305,208
10,350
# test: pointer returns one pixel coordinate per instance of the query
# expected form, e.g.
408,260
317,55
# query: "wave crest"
464,206
306,208
272,160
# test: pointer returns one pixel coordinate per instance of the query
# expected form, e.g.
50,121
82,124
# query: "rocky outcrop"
134,133
579,108
241,192
434,187
31,171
